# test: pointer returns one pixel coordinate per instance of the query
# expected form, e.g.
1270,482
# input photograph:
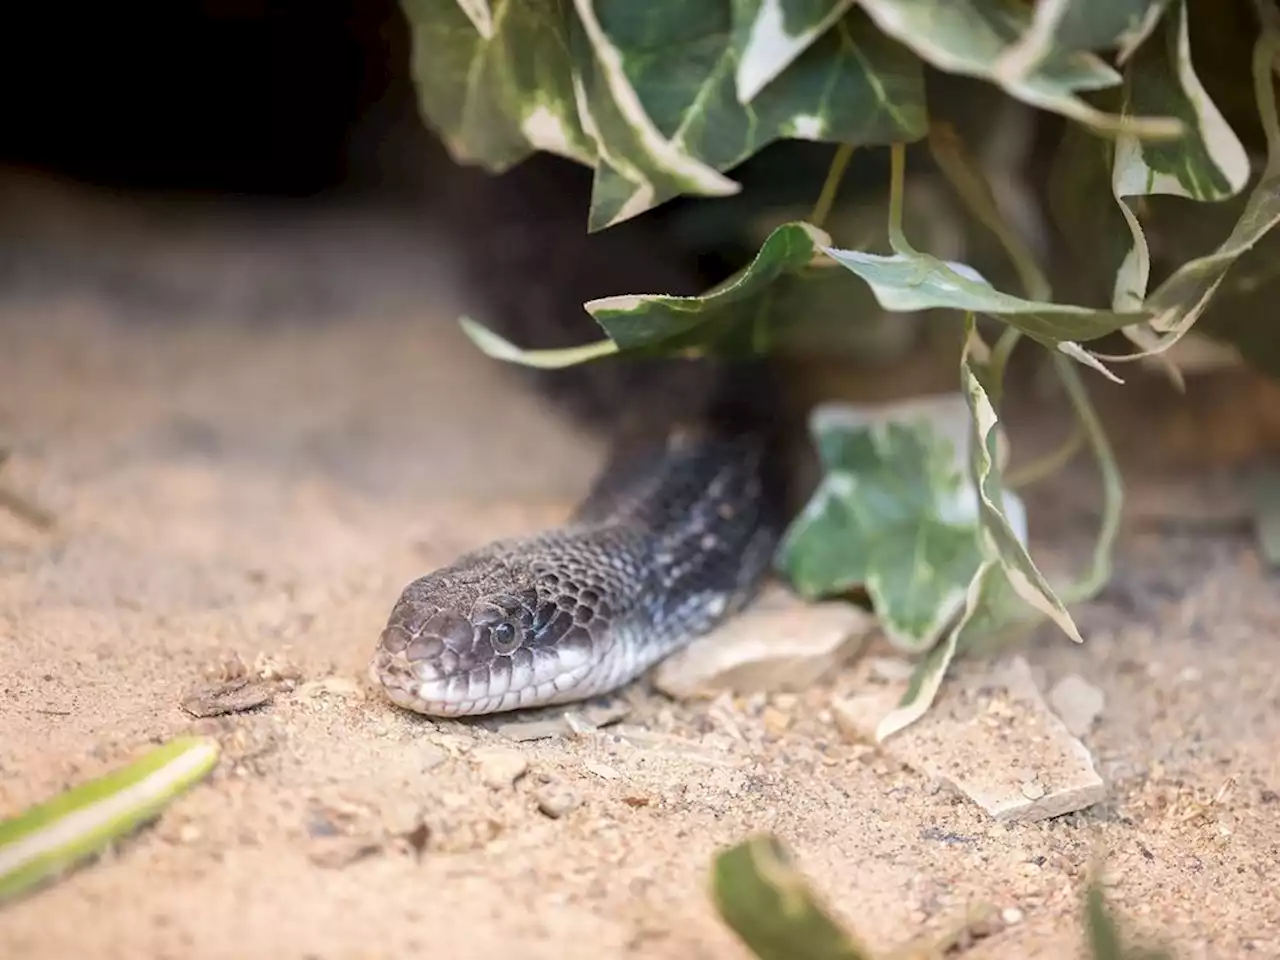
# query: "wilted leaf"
735,316
999,535
894,513
968,37
658,89
497,82
766,901
1180,300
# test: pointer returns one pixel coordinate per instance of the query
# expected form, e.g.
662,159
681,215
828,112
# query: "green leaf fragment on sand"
767,902
51,838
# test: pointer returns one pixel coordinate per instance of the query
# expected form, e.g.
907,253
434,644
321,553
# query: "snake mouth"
442,686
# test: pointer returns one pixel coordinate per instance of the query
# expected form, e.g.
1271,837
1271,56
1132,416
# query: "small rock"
336,852
602,770
779,643
775,721
1011,915
557,800
1078,702
430,757
571,723
233,696
991,735
332,686
500,768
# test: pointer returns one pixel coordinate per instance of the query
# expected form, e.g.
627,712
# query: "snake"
676,533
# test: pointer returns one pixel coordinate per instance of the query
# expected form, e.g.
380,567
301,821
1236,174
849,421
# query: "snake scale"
678,529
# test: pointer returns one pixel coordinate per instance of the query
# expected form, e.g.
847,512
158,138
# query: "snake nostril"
395,638
425,648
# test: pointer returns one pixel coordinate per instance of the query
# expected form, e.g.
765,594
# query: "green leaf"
659,92
998,534
51,838
967,37
894,513
766,901
928,675
769,34
732,317
1103,935
496,81
909,281
1180,300
1070,25
1208,162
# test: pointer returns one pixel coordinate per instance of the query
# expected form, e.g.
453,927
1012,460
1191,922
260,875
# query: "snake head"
479,638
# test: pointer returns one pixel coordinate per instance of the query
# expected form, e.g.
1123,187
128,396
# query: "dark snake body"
679,528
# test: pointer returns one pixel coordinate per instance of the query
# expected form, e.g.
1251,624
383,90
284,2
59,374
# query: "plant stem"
1049,464
1112,484
897,181
831,187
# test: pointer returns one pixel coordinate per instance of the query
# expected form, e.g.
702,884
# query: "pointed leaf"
730,317
497,82
659,90
918,281
769,34
1000,537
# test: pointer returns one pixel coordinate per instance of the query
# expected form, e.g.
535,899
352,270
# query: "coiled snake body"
676,534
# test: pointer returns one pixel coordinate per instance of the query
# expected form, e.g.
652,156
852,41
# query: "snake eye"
505,638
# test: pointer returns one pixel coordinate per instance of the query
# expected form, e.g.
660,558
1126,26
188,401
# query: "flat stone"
991,735
1078,702
779,643
500,768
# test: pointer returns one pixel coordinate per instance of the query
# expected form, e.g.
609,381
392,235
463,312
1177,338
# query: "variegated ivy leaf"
1209,163
894,514
1180,300
658,90
769,34
734,318
909,281
928,675
495,81
969,36
1000,536
1067,25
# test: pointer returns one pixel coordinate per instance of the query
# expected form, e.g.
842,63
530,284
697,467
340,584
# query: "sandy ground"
240,468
